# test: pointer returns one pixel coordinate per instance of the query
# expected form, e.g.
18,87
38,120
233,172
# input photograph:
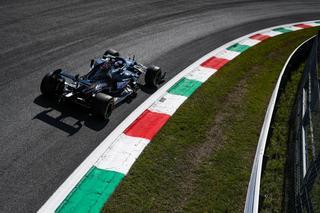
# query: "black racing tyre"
103,105
51,84
111,52
153,76
60,86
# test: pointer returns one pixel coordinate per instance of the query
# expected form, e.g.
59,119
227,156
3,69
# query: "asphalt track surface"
41,142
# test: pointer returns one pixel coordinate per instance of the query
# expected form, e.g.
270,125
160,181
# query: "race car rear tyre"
111,52
51,84
153,76
103,105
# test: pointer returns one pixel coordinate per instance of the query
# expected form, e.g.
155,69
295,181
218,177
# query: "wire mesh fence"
294,163
305,137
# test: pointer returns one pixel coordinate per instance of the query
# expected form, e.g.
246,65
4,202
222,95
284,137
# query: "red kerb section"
215,63
303,25
260,37
147,125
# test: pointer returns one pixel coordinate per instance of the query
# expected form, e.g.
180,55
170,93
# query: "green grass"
272,182
315,195
201,160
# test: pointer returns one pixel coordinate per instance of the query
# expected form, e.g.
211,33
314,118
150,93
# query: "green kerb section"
318,22
238,47
185,87
282,30
92,192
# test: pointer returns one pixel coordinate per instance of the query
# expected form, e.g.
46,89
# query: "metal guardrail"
298,56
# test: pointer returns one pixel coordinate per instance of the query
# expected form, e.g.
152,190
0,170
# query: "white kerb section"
249,42
227,54
121,155
200,74
314,24
293,28
270,33
167,104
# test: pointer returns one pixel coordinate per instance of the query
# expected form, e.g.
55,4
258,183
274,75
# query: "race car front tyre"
111,52
103,105
153,76
51,84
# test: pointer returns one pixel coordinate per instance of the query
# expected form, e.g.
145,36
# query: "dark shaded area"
82,115
304,131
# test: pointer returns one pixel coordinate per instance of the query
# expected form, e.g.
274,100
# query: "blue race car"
111,80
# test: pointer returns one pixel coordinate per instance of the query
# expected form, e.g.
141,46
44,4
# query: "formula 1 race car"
111,80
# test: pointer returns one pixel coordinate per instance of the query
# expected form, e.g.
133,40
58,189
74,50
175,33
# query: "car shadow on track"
59,115
148,90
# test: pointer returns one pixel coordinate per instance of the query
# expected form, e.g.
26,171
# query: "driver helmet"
118,64
106,66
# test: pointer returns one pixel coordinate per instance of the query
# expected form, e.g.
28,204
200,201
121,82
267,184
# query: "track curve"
42,143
